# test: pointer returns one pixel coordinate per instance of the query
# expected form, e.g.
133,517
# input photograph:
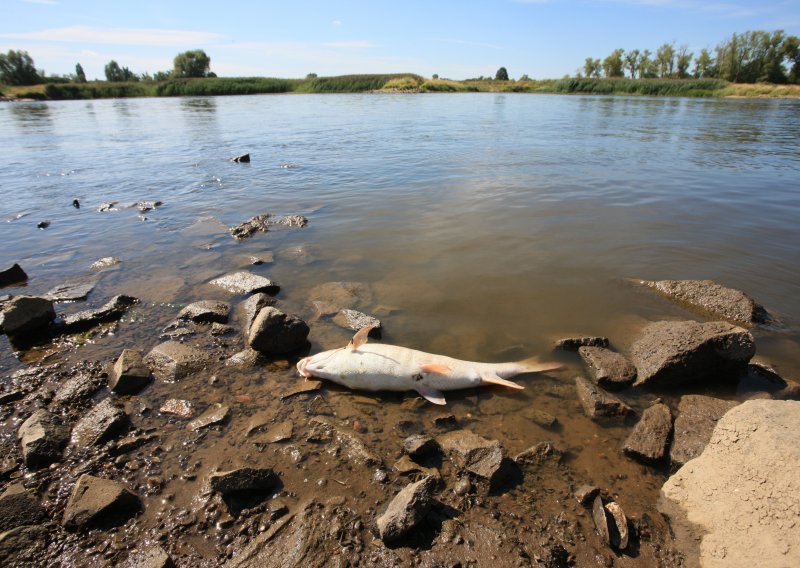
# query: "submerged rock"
274,332
241,159
178,407
649,438
112,310
610,370
243,479
350,444
538,455
205,311
130,374
217,414
72,291
24,546
575,343
711,298
673,353
244,282
19,508
697,417
26,314
333,296
355,320
105,262
406,510
43,436
597,403
99,501
172,360
12,275
262,223
100,424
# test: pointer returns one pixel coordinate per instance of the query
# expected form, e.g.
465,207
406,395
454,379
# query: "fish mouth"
301,367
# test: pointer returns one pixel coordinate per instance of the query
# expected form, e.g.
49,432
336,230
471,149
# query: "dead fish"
377,367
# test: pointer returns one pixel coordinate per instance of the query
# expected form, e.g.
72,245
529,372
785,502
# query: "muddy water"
485,226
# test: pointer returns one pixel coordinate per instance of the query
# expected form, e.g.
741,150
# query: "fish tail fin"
495,380
533,365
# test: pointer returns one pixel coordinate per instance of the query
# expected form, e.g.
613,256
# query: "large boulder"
42,437
673,353
96,501
26,314
172,360
741,492
697,417
406,510
274,332
708,297
649,438
250,307
610,370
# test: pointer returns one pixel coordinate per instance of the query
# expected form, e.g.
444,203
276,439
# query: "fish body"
377,367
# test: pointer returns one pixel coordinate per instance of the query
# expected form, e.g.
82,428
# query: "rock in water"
742,491
274,332
697,417
172,361
153,557
619,534
214,415
648,441
355,320
241,159
206,311
575,343
13,275
250,307
130,374
72,291
19,508
26,314
43,436
673,353
597,403
709,297
611,370
112,310
99,501
100,424
243,479
244,282
406,510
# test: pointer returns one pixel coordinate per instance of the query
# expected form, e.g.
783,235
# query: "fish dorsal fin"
431,394
360,338
493,379
436,368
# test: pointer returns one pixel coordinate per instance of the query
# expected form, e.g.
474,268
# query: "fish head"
322,365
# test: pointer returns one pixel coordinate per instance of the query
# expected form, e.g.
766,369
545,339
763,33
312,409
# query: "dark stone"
538,455
72,291
102,423
241,159
708,297
26,314
42,224
243,479
206,311
420,446
697,417
406,510
24,546
244,282
13,275
610,370
585,494
18,508
112,310
649,438
355,320
42,437
669,354
7,397
575,343
406,466
540,417
274,332
78,389
214,415
130,374
600,520
263,223
97,501
251,306
145,206
76,204
477,455
597,403
172,361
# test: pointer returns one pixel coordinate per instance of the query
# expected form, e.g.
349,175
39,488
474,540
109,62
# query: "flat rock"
338,295
78,389
72,291
302,387
355,320
474,453
24,546
26,314
274,332
575,343
585,494
710,298
217,414
172,360
246,358
344,442
610,370
697,417
538,455
19,508
152,557
250,307
130,374
406,510
243,479
420,446
597,403
102,423
741,492
43,436
12,275
95,501
112,310
405,466
178,407
244,282
670,353
280,432
649,438
205,311
105,262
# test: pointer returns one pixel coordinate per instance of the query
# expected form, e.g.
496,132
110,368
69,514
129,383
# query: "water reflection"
199,105
35,115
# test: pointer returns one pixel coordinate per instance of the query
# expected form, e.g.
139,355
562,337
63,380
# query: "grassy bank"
403,82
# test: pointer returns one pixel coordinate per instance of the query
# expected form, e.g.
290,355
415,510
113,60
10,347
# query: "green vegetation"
191,64
16,68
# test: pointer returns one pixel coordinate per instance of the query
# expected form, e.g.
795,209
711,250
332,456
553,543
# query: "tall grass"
352,83
653,87
225,86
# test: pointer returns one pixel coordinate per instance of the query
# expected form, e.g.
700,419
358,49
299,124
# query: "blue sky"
290,38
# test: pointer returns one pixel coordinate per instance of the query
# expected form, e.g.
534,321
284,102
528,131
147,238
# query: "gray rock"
669,354
249,308
601,520
649,438
18,508
12,275
178,407
105,262
108,206
241,159
26,314
540,417
24,546
355,320
406,466
585,494
130,374
274,332
102,423
206,311
420,446
97,501
243,479
145,206
112,310
575,343
708,297
78,389
469,451
43,436
597,403
279,433
220,329
244,282
72,291
538,455
697,417
406,510
245,358
172,361
263,223
610,370
153,557
217,414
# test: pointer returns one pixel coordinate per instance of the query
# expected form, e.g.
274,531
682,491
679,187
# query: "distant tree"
791,52
80,76
648,68
525,77
211,75
703,65
191,64
501,75
311,76
161,75
117,74
591,67
632,62
684,59
612,65
16,68
665,59
435,76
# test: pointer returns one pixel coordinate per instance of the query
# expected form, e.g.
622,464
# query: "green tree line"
748,57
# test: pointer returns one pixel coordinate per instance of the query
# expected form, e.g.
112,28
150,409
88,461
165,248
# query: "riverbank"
409,83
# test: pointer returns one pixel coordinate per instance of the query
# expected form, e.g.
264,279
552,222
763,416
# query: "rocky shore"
204,448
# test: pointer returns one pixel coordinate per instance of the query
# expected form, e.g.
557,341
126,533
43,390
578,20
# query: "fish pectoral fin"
431,394
360,338
437,368
495,380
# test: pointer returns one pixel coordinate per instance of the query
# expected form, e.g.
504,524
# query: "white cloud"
119,36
